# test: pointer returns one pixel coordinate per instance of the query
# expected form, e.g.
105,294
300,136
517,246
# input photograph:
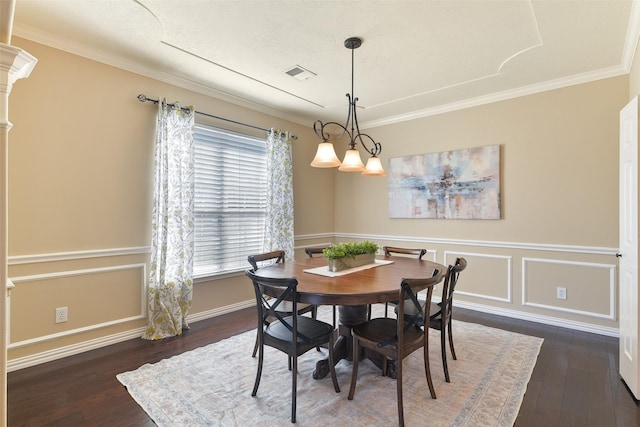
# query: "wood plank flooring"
574,383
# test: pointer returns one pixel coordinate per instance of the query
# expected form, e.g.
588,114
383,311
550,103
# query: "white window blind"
230,202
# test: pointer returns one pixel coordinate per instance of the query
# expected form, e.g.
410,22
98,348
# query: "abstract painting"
458,184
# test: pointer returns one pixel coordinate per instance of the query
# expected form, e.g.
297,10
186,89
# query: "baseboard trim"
71,350
537,318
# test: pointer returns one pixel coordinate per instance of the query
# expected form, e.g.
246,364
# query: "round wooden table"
352,292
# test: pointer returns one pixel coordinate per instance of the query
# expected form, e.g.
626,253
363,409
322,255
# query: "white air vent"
300,73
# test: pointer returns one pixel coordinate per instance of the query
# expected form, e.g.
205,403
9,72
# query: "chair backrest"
270,293
409,289
273,256
450,281
314,250
389,250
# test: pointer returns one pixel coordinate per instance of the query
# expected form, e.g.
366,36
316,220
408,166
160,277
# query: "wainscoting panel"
487,276
95,298
590,288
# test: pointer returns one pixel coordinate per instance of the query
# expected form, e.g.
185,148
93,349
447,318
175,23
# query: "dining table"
353,291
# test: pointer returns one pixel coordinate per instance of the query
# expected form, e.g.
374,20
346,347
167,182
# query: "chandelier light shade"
352,162
374,167
325,156
332,131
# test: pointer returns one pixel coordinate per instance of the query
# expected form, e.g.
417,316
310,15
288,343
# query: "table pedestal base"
350,316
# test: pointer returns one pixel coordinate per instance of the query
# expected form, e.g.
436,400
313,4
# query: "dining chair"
441,313
395,339
391,250
261,260
291,334
317,251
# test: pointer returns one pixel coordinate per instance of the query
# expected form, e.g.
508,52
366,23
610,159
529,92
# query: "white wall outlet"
61,314
561,293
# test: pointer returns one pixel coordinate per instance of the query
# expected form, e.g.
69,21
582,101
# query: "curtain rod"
143,98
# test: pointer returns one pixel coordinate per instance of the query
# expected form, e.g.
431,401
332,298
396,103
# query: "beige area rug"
211,385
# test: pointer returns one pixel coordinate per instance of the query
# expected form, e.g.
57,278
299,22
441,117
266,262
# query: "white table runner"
324,270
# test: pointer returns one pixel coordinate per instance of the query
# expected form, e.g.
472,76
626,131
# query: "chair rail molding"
595,250
75,255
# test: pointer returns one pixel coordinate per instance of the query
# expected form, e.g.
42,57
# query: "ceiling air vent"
300,73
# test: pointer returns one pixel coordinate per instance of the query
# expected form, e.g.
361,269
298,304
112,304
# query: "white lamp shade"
374,168
325,156
352,162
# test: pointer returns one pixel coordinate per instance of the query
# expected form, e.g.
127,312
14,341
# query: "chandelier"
331,131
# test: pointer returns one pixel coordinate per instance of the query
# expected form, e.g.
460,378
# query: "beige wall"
559,154
80,190
80,201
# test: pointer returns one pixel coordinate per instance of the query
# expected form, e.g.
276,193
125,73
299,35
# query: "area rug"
211,385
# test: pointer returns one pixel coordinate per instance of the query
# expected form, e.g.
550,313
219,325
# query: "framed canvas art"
458,184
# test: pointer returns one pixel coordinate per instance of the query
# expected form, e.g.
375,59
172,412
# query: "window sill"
208,277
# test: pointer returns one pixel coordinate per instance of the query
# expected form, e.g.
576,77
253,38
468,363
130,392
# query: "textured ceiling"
417,58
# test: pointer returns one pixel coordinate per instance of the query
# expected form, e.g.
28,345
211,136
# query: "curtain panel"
171,270
279,213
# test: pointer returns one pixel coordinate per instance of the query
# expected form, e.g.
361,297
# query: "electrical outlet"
561,293
61,314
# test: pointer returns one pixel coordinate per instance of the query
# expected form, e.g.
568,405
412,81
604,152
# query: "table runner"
324,270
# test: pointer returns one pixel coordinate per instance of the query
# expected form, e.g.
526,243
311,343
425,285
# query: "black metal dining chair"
261,260
395,339
440,317
291,334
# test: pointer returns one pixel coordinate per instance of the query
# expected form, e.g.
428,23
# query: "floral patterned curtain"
171,272
279,216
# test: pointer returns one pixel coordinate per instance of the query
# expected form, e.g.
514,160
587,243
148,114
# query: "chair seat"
382,328
313,329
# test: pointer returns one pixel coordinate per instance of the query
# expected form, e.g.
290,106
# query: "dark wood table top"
370,286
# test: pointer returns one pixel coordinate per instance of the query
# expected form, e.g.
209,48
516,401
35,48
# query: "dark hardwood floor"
574,383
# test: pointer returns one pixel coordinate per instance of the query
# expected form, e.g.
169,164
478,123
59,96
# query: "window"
230,202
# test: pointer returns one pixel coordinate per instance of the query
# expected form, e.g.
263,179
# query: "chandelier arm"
318,128
376,147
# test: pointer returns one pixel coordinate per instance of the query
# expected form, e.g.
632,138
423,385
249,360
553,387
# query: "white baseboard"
537,318
73,349
70,350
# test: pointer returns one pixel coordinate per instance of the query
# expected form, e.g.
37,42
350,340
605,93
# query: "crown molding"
502,96
74,47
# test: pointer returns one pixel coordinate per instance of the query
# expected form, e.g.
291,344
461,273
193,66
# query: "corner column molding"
15,64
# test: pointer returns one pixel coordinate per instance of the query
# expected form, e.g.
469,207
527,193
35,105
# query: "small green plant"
349,250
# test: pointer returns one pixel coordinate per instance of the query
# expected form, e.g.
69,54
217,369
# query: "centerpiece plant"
351,254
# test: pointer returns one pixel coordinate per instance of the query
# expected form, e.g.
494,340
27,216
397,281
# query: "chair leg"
399,387
255,347
314,314
334,316
443,350
258,372
332,367
294,388
354,369
453,352
427,370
